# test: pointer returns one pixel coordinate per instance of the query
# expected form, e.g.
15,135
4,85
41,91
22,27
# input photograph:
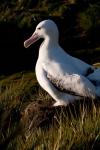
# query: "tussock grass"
17,87
68,131
74,133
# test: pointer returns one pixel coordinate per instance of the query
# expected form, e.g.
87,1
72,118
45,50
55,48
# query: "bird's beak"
31,40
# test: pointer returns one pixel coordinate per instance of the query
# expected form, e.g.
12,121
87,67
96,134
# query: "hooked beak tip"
25,45
31,40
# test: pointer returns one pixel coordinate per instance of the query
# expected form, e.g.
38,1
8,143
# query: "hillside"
78,23
28,121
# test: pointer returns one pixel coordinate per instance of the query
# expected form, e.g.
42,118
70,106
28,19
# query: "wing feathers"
73,84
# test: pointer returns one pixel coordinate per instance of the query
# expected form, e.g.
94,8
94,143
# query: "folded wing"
73,84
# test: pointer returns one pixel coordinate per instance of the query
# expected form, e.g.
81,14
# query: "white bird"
64,77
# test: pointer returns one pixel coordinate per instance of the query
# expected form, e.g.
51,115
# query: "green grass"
17,87
67,131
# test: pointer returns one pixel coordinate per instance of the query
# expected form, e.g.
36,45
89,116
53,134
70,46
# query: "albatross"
64,77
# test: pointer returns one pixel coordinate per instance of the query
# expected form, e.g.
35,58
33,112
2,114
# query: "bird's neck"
47,47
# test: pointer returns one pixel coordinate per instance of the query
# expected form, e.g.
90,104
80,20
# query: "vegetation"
76,126
27,119
24,12
78,22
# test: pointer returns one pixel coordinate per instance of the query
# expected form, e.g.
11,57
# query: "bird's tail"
95,79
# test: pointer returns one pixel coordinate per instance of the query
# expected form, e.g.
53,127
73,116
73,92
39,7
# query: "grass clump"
17,87
75,127
69,134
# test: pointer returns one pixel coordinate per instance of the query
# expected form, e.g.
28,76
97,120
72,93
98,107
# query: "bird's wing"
95,76
71,83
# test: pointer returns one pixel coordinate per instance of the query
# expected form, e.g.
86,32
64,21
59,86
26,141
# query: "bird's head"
44,29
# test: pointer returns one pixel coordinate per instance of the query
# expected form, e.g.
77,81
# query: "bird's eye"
39,28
